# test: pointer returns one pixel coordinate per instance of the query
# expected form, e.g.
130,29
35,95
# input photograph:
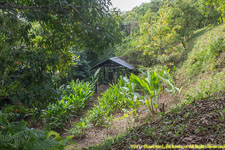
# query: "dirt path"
92,102
97,135
198,123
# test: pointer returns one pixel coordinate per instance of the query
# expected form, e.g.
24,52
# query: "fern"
17,136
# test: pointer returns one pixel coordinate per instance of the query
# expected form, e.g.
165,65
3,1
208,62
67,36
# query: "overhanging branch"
52,9
7,5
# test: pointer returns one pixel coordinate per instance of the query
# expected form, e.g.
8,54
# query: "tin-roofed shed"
114,67
114,61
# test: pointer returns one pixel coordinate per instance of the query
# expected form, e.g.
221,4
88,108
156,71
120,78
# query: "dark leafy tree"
35,41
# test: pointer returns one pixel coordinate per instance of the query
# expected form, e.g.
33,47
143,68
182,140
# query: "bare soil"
199,123
96,135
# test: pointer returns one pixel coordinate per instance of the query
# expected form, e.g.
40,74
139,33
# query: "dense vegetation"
156,33
47,48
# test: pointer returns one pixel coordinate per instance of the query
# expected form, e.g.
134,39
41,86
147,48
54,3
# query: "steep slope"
202,72
201,123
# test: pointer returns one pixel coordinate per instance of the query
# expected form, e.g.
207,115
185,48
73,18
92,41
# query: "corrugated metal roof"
116,60
121,62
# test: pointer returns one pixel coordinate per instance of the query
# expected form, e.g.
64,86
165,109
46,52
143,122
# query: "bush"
114,99
17,136
75,97
152,84
218,45
79,128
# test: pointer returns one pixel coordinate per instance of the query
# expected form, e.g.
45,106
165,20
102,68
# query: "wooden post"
97,87
104,72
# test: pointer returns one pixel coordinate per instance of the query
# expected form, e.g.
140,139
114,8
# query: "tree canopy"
37,36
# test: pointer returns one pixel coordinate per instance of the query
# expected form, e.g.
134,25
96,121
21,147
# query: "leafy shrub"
25,76
17,136
79,128
76,97
96,116
114,99
218,45
58,114
78,93
152,84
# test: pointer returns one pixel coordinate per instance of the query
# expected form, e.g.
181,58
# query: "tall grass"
202,74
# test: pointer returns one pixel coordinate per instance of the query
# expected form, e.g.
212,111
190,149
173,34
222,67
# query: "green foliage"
65,142
158,34
67,20
58,114
114,99
217,46
152,84
130,22
212,86
124,95
161,30
76,96
213,9
185,14
24,76
17,136
36,37
96,116
79,128
131,19
79,93
206,59
154,6
81,70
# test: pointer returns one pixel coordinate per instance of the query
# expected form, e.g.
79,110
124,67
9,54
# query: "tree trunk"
183,43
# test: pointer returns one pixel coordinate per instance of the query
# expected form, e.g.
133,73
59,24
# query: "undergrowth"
17,136
75,98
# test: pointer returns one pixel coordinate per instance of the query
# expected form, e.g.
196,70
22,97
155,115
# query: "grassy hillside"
200,117
202,70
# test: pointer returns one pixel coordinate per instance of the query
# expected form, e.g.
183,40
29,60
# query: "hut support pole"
104,72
